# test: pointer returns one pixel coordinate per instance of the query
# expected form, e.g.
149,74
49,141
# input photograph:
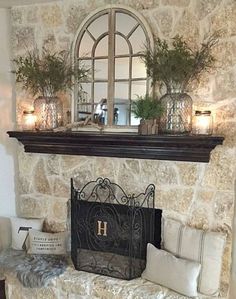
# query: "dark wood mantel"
160,147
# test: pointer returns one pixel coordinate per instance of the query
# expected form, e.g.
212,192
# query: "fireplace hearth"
110,229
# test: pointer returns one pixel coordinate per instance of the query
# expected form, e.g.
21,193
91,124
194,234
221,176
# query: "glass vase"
49,113
177,116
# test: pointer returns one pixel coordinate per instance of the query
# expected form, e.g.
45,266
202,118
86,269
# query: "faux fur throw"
33,271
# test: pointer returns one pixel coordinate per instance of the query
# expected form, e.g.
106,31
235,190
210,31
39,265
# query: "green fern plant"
49,73
146,108
177,65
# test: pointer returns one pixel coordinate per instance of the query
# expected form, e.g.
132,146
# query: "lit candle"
202,123
28,120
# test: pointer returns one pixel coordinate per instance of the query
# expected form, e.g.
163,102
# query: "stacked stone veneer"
199,194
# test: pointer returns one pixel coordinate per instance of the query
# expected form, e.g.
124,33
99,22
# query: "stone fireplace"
191,192
199,194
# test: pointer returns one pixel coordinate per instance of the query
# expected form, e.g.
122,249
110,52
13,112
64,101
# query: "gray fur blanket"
33,271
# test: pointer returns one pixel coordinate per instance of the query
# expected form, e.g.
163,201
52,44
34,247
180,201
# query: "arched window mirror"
109,43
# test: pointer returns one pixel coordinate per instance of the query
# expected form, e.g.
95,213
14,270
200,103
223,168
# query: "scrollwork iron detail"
110,228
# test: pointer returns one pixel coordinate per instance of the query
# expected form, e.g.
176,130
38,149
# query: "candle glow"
28,120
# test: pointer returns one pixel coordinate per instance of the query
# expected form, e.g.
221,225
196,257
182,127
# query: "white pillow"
174,273
199,246
46,243
20,228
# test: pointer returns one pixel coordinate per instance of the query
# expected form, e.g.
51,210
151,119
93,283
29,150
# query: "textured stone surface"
224,19
206,7
201,216
175,2
61,188
53,165
54,226
17,16
189,173
228,82
224,207
201,195
164,20
32,15
41,183
81,285
23,38
188,27
34,206
74,16
221,177
59,210
51,15
177,199
224,53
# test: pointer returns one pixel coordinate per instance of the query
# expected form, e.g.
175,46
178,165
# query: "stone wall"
200,194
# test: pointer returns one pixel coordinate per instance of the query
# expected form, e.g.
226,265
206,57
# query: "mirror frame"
75,46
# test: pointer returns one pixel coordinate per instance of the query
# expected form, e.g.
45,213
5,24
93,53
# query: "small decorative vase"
148,127
177,116
49,113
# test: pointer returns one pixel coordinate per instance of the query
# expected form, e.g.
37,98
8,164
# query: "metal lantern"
177,116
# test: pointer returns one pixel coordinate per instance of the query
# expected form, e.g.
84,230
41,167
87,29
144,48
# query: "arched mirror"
110,43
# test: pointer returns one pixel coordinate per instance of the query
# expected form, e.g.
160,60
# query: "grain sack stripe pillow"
201,255
197,245
180,235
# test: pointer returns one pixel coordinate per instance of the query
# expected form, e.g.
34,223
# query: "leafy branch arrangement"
178,65
49,73
146,108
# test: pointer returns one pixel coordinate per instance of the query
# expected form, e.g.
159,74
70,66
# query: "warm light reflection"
28,120
202,123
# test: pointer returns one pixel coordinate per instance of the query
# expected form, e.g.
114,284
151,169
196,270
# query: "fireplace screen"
110,229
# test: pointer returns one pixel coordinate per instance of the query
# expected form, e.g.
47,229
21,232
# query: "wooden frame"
110,10
176,148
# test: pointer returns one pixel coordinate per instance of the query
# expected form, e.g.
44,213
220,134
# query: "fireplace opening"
110,229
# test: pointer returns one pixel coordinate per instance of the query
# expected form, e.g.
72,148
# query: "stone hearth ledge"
74,284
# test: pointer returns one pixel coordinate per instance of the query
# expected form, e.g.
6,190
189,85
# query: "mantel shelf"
160,147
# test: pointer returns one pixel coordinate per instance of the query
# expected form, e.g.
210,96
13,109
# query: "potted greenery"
45,76
175,67
148,110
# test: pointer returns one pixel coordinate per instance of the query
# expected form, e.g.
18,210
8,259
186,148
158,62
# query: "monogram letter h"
102,228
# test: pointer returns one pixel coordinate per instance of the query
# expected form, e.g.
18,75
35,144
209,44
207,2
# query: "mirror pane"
99,26
85,49
124,23
87,64
121,103
102,47
84,111
84,101
138,68
134,121
101,69
138,88
100,91
138,40
122,68
84,95
121,46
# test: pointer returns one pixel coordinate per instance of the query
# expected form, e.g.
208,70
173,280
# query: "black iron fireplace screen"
110,229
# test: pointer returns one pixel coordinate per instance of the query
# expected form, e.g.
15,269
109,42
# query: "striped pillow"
197,245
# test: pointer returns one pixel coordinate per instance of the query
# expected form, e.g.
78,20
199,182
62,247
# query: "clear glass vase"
49,113
177,116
